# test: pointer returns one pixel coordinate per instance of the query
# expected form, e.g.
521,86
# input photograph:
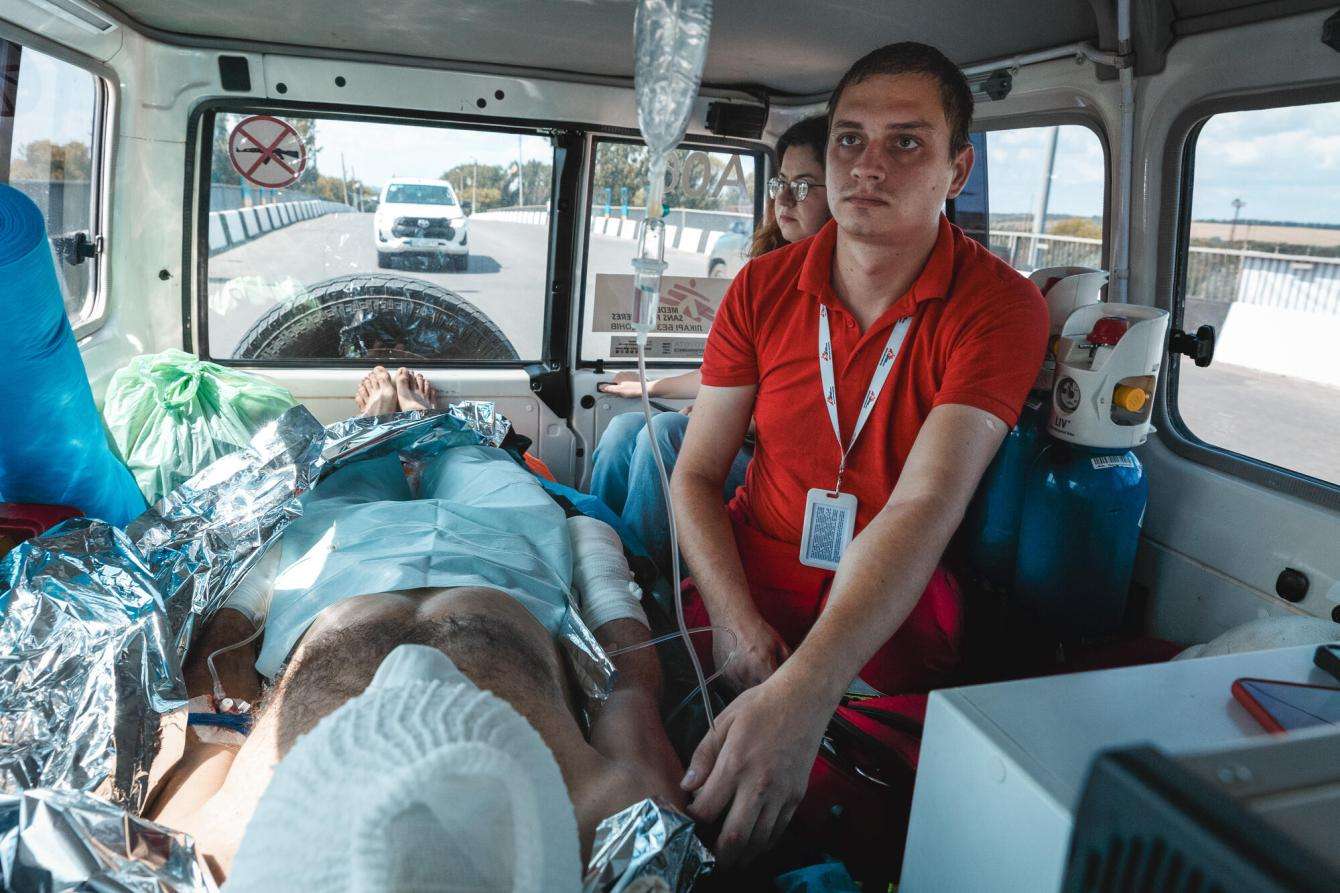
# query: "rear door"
306,275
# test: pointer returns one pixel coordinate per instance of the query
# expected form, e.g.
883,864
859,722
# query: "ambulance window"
49,123
333,239
1045,189
1263,267
714,198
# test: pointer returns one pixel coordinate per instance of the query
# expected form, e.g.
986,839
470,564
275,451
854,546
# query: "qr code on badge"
826,530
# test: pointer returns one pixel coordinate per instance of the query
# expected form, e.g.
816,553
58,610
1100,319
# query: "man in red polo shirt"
918,346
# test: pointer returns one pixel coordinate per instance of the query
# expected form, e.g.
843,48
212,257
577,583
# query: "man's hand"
755,765
758,650
626,384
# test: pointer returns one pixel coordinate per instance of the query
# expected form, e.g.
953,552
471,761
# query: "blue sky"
381,151
1284,163
1014,174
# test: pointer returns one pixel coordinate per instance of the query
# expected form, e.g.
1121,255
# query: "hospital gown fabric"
482,520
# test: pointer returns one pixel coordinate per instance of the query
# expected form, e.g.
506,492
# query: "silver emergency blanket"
482,417
68,840
96,621
87,662
646,847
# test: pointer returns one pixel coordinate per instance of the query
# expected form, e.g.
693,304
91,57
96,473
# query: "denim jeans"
626,480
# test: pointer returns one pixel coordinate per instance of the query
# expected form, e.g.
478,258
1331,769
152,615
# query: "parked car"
729,252
420,218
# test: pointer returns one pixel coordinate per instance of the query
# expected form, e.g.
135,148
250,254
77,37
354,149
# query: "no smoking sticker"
267,151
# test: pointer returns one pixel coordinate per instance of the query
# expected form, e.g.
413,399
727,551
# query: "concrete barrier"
227,229
679,236
1296,343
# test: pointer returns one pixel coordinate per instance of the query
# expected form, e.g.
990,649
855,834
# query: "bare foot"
414,391
376,393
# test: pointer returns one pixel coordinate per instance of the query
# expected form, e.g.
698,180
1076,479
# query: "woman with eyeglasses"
625,476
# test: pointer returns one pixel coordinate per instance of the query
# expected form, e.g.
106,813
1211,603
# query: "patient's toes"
381,393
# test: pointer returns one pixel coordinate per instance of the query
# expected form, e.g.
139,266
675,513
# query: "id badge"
830,521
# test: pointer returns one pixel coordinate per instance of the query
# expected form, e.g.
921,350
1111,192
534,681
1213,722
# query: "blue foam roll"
52,446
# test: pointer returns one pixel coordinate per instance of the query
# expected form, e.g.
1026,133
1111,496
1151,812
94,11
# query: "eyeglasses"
800,189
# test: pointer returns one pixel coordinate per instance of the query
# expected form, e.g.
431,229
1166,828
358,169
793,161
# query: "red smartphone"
1284,706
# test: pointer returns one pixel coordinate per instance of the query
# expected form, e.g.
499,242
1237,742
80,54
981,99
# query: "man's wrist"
816,686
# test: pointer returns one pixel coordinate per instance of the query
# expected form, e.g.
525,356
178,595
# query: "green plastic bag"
171,414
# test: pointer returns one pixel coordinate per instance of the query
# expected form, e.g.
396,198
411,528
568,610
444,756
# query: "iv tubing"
676,635
219,693
674,533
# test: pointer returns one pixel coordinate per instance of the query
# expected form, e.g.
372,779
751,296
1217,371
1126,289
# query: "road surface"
505,278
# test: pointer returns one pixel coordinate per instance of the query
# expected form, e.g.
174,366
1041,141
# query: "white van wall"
1215,543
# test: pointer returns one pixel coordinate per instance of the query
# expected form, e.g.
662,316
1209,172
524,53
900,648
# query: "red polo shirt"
977,337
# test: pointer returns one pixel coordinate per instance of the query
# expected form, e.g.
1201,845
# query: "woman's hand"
626,384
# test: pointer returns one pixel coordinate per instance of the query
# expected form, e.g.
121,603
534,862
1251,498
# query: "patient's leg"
489,636
201,771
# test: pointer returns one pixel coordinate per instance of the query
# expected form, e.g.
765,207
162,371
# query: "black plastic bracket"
1199,347
995,86
1330,32
552,384
75,248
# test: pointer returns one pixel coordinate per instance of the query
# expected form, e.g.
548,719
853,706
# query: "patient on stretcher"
476,566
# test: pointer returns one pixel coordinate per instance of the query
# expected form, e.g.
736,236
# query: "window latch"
75,248
1199,347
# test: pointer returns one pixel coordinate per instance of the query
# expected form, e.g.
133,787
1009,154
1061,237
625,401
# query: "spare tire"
374,315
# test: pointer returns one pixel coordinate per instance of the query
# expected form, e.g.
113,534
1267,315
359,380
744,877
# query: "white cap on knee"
422,782
601,575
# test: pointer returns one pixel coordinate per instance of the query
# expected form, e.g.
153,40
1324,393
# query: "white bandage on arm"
601,576
254,592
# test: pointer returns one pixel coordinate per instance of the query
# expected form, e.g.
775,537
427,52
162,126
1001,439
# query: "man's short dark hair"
911,57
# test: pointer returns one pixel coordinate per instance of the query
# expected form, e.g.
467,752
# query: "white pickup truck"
420,218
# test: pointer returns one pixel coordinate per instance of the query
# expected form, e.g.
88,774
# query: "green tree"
496,183
1080,227
47,161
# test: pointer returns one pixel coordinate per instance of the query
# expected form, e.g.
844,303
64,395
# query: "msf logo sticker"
1067,395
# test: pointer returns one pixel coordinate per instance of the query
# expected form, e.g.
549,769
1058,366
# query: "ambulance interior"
1189,149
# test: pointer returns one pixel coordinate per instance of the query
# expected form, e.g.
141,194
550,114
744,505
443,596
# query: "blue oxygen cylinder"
1078,532
1084,500
53,449
991,528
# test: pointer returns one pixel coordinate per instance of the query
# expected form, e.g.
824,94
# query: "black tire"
378,316
383,260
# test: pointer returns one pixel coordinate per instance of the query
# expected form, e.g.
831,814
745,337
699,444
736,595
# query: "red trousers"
790,597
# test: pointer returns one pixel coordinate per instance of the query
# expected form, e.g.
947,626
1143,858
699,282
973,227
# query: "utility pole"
1238,205
344,180
1044,195
474,185
520,174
